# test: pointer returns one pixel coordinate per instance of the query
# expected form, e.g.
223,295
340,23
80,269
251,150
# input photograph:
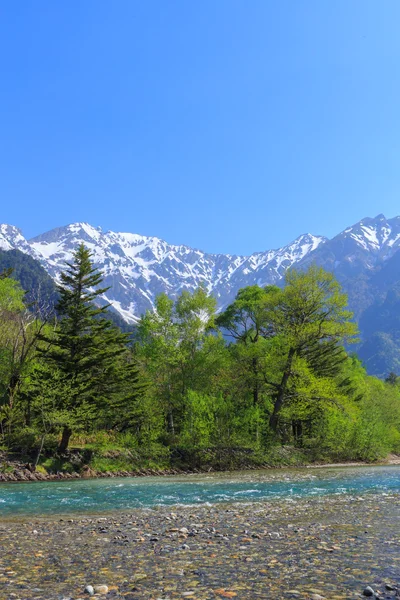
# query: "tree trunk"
255,387
171,422
66,434
280,397
297,429
28,413
40,452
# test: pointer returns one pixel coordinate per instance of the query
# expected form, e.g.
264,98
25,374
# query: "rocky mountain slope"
360,256
364,257
138,268
366,260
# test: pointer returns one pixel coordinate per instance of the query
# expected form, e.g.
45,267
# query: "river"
101,495
301,533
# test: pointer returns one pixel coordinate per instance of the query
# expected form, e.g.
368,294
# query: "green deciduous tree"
312,319
179,351
20,330
290,341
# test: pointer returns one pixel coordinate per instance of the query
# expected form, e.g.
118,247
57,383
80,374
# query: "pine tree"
87,349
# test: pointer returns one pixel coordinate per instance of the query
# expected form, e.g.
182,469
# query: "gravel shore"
331,547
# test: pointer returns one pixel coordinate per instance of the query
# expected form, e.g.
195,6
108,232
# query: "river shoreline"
328,547
17,472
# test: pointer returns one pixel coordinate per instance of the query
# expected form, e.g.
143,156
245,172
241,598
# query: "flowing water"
103,495
298,533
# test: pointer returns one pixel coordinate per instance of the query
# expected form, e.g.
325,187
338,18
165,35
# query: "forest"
270,380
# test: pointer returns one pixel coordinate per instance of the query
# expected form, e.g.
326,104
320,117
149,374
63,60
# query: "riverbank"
90,461
331,547
16,470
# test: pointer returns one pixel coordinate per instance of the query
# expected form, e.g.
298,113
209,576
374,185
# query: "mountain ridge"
364,257
139,267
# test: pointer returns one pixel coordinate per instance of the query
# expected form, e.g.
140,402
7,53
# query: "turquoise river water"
102,495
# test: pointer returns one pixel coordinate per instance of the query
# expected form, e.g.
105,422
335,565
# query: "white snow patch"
370,234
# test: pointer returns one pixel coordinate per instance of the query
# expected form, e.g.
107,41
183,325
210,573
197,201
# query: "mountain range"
364,257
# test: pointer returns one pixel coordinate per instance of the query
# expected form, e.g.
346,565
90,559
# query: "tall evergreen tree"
89,352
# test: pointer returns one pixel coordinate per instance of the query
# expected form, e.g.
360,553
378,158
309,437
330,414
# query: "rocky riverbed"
331,547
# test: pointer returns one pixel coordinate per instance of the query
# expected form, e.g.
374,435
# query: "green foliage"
290,343
198,428
22,440
11,296
267,381
174,345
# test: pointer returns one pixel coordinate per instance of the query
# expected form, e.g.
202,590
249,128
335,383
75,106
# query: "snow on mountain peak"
137,267
11,237
374,234
93,232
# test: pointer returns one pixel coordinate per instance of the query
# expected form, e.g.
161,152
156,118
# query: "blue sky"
231,126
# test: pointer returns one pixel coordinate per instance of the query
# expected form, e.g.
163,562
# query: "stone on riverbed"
96,589
185,547
368,591
89,590
100,589
70,552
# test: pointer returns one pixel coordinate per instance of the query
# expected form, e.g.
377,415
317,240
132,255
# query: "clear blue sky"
231,126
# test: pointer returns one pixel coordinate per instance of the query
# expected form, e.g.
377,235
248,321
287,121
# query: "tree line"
272,370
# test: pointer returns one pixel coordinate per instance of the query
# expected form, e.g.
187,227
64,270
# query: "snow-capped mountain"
357,255
366,242
138,267
11,237
364,258
375,235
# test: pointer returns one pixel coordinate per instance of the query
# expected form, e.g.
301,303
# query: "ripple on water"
114,494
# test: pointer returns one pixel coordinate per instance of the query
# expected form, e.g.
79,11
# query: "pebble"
368,591
275,535
89,590
219,565
100,589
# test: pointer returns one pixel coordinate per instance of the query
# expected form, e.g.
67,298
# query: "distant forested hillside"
31,275
39,285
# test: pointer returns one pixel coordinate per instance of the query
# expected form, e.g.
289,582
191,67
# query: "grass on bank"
112,452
